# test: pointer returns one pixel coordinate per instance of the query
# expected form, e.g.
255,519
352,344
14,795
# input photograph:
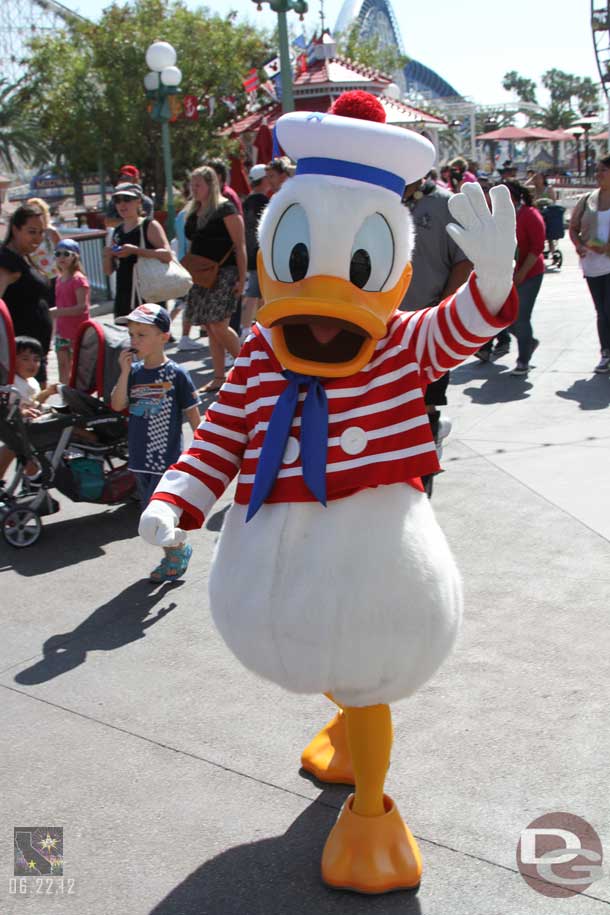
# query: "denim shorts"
253,290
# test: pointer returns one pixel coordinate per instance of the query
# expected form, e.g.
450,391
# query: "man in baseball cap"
254,204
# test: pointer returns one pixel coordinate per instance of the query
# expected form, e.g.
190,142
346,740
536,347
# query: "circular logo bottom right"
559,854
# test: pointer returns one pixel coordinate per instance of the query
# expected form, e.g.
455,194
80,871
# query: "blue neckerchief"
314,440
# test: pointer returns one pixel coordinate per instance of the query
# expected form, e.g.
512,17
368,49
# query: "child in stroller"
79,448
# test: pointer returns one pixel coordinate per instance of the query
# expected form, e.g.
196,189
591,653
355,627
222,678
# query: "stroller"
80,447
552,214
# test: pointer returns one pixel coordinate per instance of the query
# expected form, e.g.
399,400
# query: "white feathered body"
361,598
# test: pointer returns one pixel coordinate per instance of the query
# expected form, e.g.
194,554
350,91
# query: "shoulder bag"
204,270
154,281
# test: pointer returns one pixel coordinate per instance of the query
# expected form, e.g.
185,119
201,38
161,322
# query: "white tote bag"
154,281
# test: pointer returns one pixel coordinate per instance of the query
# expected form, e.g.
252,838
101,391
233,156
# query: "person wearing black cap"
127,245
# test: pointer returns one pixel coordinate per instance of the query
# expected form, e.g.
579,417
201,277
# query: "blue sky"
469,47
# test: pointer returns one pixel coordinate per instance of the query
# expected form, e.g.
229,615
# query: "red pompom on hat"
359,104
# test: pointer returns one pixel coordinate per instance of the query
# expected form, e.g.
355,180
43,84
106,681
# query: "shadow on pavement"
279,876
498,386
66,543
116,623
500,389
591,393
216,521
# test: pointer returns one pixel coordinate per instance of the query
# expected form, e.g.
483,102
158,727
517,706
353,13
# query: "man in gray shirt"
439,268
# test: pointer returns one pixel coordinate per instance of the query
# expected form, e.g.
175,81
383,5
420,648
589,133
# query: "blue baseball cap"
68,244
149,313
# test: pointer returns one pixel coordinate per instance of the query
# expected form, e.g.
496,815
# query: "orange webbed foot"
328,756
371,854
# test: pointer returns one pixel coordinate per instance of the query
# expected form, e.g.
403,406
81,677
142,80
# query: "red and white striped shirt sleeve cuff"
446,335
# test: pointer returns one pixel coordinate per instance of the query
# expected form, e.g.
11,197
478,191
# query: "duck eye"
372,254
291,245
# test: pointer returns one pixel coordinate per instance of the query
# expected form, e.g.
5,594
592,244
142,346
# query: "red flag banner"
251,83
191,112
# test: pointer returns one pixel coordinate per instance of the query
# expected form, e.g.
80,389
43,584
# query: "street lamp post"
161,82
281,7
579,127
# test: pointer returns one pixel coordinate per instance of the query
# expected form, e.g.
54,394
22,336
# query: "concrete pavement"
175,773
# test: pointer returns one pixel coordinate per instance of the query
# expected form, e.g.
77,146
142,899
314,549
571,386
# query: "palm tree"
19,131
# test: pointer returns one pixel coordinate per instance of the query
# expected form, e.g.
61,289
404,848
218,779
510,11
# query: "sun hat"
128,189
149,313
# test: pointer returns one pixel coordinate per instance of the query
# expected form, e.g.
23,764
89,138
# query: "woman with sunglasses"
71,304
22,287
126,245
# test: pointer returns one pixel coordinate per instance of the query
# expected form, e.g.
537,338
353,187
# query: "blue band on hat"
339,168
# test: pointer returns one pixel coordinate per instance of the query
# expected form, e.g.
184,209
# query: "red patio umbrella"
506,133
541,133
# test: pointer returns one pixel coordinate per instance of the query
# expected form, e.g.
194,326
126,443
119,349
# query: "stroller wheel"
557,258
21,527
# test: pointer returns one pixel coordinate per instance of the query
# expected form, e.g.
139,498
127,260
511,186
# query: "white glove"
159,524
488,239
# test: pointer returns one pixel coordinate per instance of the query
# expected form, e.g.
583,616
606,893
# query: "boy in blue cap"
157,392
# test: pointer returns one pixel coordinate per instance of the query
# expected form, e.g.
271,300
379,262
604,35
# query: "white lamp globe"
160,55
171,76
392,91
151,81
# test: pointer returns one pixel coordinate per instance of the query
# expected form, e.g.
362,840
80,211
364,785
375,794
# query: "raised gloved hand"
159,524
487,238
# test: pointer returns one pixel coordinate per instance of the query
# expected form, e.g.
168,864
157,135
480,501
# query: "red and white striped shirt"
378,429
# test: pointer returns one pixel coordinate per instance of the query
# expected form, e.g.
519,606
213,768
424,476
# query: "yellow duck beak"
353,321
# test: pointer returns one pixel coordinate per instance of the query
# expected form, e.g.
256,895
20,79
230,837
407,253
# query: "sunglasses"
64,253
121,198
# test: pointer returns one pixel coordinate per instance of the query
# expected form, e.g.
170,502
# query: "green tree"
588,95
20,137
85,86
524,88
571,91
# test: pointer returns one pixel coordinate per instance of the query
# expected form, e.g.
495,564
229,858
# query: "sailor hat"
358,150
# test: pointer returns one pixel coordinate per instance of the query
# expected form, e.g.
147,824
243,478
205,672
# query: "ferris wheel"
22,20
600,27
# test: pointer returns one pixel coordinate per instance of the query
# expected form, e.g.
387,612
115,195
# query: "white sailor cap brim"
342,147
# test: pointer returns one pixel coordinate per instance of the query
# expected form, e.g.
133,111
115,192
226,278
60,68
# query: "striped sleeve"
204,471
444,336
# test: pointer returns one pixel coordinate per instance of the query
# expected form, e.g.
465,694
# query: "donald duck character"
346,584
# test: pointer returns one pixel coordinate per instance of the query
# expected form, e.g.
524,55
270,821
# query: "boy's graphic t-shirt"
157,398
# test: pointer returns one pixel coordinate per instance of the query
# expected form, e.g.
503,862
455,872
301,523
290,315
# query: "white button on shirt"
292,450
353,440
